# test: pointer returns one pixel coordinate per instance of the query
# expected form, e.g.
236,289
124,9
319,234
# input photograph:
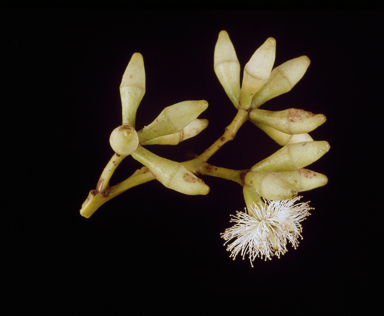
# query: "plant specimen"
270,187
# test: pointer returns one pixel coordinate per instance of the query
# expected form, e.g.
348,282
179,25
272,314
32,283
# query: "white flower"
266,228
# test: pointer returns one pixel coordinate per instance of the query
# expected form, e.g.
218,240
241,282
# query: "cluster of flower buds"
282,175
174,124
270,187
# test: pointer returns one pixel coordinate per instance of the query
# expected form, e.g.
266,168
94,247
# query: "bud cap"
124,140
132,88
227,67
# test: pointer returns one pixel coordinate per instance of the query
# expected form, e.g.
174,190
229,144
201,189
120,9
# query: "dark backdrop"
153,250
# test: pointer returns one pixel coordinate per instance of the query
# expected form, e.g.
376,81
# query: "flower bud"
291,121
171,174
124,140
293,156
132,88
227,67
271,185
282,138
173,119
304,179
257,72
191,130
283,78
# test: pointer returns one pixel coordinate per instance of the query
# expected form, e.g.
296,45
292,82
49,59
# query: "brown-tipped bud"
291,121
282,138
187,132
304,179
257,72
173,119
132,88
227,67
283,78
124,140
293,156
170,173
271,185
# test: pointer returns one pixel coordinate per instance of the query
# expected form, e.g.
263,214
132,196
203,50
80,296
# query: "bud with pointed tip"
291,121
271,185
173,119
283,78
124,140
282,138
132,88
227,67
257,72
171,174
191,130
293,156
304,179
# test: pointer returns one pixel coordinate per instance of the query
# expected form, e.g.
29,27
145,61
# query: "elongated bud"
282,138
283,79
257,72
124,140
251,197
170,173
132,88
191,130
227,67
304,179
173,119
291,121
271,185
293,156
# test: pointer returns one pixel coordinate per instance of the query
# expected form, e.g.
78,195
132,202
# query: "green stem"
224,173
229,134
108,171
96,198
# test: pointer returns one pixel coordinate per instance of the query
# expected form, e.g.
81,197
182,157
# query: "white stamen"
253,229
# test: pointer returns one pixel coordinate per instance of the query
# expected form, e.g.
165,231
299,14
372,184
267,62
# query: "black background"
153,250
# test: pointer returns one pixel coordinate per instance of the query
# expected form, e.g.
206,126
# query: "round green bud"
124,140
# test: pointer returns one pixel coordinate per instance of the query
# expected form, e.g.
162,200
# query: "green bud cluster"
174,124
278,177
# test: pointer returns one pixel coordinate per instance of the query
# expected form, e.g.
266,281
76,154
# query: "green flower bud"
271,185
304,179
124,140
293,156
227,67
291,121
282,138
171,174
173,119
191,130
132,88
283,78
257,72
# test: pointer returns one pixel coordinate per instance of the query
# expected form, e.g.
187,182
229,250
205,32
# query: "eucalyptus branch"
270,187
